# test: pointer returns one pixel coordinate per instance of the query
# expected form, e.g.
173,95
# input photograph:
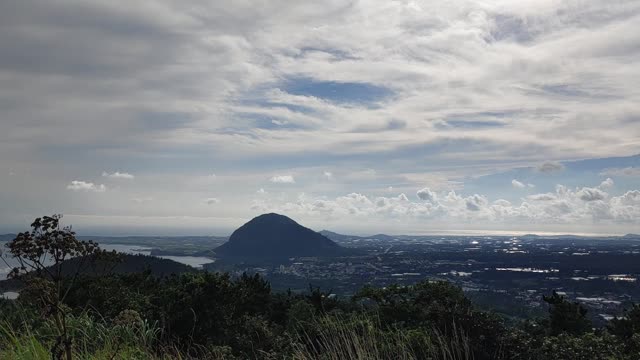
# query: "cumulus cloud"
118,175
78,185
550,167
427,195
517,184
591,194
475,202
630,198
586,205
542,197
502,202
283,179
607,183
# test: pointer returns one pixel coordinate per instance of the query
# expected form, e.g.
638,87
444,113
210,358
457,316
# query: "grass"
364,338
333,337
92,339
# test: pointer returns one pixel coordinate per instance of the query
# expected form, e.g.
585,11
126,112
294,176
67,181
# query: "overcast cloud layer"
358,116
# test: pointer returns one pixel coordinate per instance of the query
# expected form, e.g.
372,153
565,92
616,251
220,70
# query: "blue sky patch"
338,92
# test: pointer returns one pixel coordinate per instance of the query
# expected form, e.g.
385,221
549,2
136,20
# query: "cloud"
140,200
212,201
630,198
517,184
586,206
542,197
550,167
328,175
475,202
607,183
78,185
251,90
591,194
427,195
118,175
279,122
261,191
626,171
502,203
283,179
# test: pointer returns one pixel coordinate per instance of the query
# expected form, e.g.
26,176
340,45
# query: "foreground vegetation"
207,315
64,313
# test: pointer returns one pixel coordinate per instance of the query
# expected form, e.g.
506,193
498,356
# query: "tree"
627,325
566,317
439,307
47,276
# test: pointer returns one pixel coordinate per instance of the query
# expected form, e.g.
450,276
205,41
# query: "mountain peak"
276,236
272,218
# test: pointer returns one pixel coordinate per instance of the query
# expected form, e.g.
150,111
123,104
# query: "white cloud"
118,175
283,179
140,200
591,194
607,183
476,202
630,198
78,185
587,205
261,191
212,201
502,202
542,197
328,175
517,184
279,122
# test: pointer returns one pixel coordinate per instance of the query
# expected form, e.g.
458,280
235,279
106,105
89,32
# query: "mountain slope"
125,264
277,236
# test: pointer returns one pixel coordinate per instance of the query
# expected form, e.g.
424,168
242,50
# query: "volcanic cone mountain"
272,235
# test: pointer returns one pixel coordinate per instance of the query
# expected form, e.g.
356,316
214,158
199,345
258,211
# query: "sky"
415,117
